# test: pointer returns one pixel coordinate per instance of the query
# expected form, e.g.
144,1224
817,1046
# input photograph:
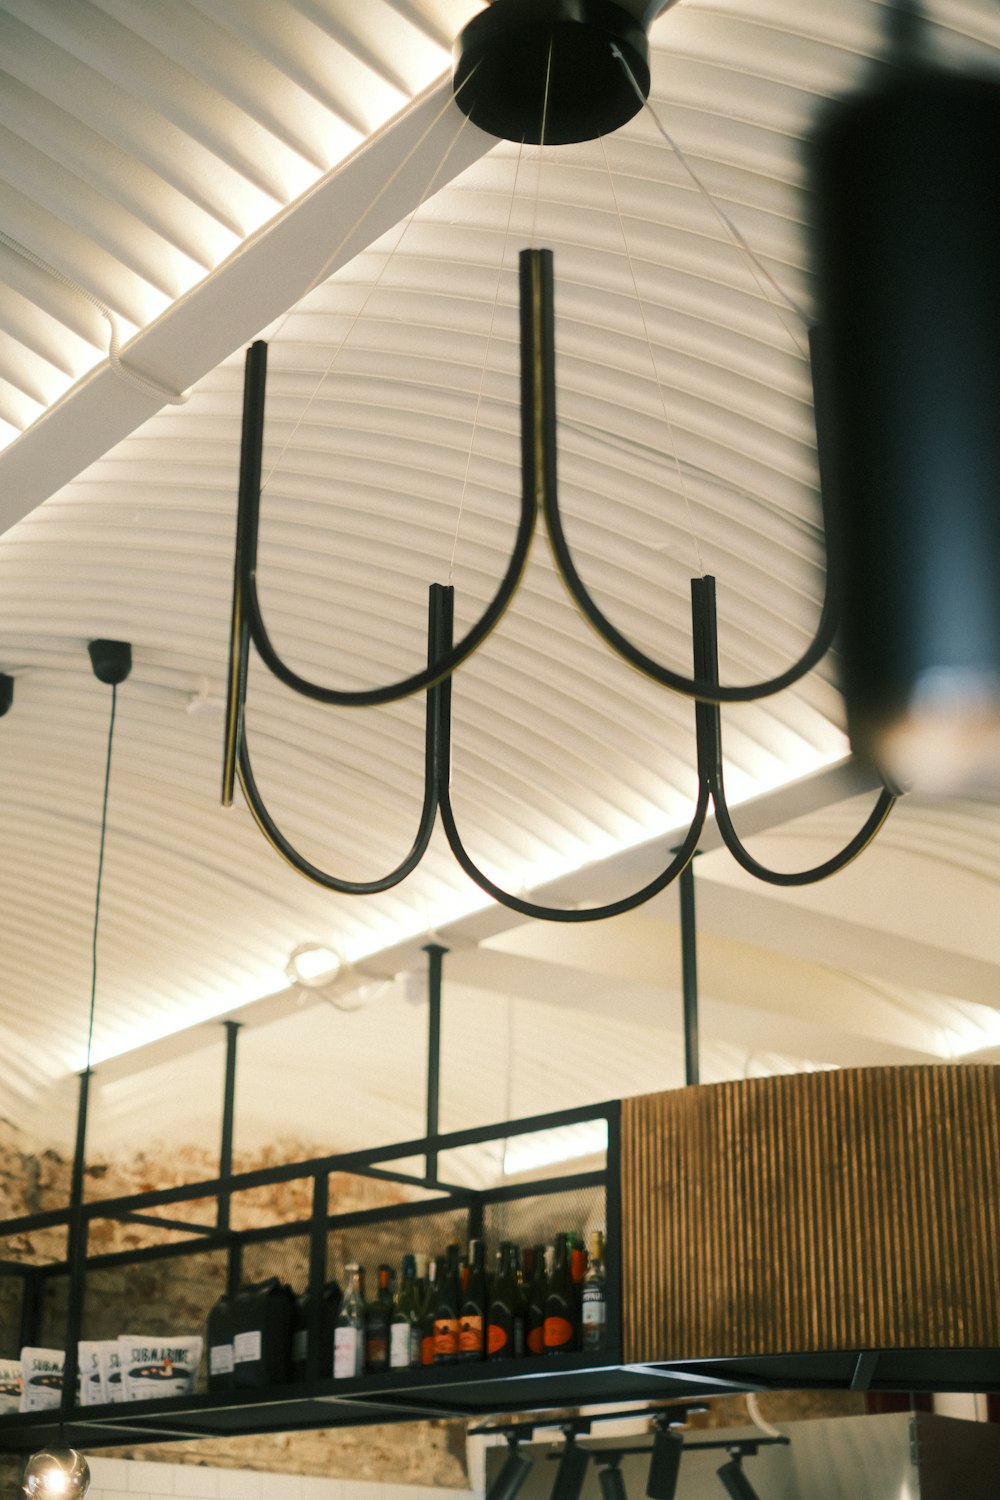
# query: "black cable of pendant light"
63,1473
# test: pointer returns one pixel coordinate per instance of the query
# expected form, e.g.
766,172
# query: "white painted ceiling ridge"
422,149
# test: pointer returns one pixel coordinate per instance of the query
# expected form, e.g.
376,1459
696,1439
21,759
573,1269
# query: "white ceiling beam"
430,142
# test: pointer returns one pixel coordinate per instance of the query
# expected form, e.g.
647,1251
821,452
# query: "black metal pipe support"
224,1202
689,976
76,1253
435,970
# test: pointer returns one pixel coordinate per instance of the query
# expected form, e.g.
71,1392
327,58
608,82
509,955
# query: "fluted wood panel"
857,1209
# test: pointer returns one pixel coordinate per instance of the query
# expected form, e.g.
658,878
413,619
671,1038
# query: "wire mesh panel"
386,1241
536,1220
286,1258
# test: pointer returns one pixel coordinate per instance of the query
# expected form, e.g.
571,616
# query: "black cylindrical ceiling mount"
551,70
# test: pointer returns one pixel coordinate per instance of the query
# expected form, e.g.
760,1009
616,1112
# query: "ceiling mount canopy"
552,70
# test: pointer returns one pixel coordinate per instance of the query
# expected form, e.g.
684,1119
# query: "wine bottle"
419,1307
474,1309
533,1265
349,1329
403,1317
594,1311
446,1313
503,1307
559,1333
429,1312
377,1322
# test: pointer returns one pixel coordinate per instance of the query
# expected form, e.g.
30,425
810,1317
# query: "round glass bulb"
56,1474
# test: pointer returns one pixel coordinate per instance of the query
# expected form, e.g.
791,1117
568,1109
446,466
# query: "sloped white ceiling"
188,165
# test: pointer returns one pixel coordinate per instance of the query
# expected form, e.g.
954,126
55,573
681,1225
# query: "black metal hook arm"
432,753
682,857
245,584
697,686
712,774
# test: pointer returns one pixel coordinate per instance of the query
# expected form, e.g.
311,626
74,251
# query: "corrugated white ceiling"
143,145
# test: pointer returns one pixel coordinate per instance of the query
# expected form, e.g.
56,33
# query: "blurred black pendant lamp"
907,178
897,449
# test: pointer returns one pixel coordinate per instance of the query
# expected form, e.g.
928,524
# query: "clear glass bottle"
349,1329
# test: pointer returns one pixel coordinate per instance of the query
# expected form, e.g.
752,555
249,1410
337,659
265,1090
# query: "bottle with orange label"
474,1308
446,1313
533,1269
559,1329
505,1330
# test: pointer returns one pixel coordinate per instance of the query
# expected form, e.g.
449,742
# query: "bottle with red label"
536,1287
446,1313
559,1329
474,1308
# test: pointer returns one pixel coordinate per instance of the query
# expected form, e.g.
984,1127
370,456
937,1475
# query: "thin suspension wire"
671,436
756,266
486,360
541,145
372,287
100,878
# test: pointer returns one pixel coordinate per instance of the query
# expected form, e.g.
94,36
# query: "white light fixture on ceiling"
314,966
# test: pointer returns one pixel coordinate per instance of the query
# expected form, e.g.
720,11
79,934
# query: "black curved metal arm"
246,584
432,754
711,771
681,859
837,862
692,687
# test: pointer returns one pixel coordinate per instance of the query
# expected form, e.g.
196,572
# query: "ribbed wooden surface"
841,1210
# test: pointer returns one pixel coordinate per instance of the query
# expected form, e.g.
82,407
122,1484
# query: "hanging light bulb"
56,1474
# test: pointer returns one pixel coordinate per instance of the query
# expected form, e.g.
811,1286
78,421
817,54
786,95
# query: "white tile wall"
113,1478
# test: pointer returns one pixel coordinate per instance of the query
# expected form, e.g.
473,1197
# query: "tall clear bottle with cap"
349,1329
594,1310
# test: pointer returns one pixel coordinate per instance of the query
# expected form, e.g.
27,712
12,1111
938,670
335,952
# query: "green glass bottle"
377,1322
504,1302
533,1264
404,1313
559,1334
474,1308
446,1313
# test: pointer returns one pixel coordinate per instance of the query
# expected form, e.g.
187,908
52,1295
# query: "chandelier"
549,71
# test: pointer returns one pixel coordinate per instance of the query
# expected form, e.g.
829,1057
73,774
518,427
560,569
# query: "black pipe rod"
317,1273
689,976
435,965
76,1253
228,1118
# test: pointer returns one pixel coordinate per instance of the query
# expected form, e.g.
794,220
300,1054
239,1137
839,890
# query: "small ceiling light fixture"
610,1477
56,1474
547,71
905,181
733,1480
517,1466
664,1463
572,1470
314,965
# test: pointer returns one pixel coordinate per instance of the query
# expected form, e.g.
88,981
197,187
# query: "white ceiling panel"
202,169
